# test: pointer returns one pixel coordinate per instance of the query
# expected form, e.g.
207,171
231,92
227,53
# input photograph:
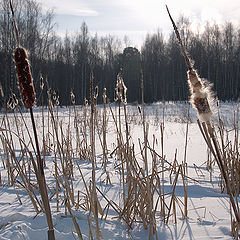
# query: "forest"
63,65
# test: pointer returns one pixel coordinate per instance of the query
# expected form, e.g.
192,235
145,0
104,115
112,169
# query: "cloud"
69,7
136,17
77,11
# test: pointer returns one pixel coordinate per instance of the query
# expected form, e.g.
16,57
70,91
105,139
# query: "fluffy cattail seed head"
41,82
201,96
72,96
96,93
12,102
104,95
24,77
57,101
121,90
1,90
54,96
85,102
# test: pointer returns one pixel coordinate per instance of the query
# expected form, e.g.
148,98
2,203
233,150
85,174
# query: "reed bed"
68,141
69,133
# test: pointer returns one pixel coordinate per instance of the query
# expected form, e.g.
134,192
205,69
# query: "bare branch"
14,24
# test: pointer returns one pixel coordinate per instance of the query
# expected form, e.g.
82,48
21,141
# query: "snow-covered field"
208,208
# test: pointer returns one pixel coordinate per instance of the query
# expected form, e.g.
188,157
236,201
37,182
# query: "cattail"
49,93
72,96
24,77
85,102
1,90
201,95
96,93
12,102
41,82
201,99
104,95
54,95
28,98
57,101
120,90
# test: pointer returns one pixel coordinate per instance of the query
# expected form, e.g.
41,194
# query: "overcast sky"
135,18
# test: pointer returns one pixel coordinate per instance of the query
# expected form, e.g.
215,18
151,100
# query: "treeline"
65,63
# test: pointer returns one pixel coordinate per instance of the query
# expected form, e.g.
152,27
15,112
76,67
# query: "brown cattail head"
201,95
24,77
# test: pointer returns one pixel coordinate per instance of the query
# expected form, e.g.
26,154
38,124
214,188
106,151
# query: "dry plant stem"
93,160
74,221
120,143
173,193
184,171
150,204
84,182
227,181
54,126
185,192
28,98
57,183
28,132
119,150
201,103
43,132
114,208
26,182
127,157
209,135
185,148
77,128
90,227
9,163
42,183
162,128
104,129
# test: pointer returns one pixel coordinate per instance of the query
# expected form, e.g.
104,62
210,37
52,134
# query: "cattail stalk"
28,98
120,97
104,127
93,97
162,128
74,220
201,100
148,185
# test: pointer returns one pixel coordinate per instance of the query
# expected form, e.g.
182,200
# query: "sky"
136,18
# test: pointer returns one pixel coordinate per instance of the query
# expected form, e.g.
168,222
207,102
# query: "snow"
208,208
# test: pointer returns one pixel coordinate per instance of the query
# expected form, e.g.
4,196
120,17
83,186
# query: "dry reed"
28,98
201,100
